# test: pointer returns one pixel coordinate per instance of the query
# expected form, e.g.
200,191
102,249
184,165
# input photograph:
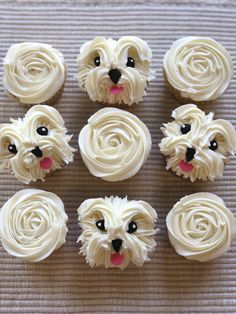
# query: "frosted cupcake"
36,145
201,227
114,144
197,69
33,224
115,72
34,73
116,232
195,145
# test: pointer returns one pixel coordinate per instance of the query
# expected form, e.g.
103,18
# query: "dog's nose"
37,152
116,244
114,75
190,152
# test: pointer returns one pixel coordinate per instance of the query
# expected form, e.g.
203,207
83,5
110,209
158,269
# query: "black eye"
213,145
100,224
12,149
130,62
185,128
132,227
42,130
97,61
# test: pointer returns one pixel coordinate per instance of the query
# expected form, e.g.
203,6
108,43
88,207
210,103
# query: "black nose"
37,152
116,244
114,75
190,153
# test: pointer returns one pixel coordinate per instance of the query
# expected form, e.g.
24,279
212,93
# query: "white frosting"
23,134
113,55
117,214
198,67
114,144
33,72
207,164
33,224
200,227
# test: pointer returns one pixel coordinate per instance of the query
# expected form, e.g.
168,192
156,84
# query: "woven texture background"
168,284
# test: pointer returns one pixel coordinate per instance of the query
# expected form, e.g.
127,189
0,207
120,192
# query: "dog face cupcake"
114,144
33,224
196,146
198,68
116,232
115,72
201,227
35,145
34,73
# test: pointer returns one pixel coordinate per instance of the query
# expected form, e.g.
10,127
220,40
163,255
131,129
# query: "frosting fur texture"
198,67
201,227
116,232
35,145
114,144
196,146
33,224
113,71
33,72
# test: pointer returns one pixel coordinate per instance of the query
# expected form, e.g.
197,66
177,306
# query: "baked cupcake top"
113,71
199,68
196,146
201,227
33,224
33,72
114,144
35,145
116,232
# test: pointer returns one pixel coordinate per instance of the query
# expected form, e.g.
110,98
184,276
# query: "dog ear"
94,208
89,50
188,112
133,46
10,141
224,133
43,115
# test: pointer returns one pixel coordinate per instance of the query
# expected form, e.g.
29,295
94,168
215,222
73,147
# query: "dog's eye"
42,130
130,62
132,227
12,148
185,128
100,224
97,61
213,145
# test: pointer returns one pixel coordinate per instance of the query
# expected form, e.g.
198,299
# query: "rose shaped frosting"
33,72
198,67
201,227
33,224
114,144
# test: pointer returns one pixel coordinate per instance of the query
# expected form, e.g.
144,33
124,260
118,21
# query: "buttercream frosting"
201,227
116,232
33,224
33,72
114,144
199,68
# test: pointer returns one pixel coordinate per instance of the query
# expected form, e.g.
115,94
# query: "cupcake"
197,69
116,232
33,224
201,227
34,73
196,146
35,145
114,144
115,72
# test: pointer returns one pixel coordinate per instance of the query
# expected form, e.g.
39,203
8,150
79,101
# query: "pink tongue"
185,166
46,163
115,90
116,258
